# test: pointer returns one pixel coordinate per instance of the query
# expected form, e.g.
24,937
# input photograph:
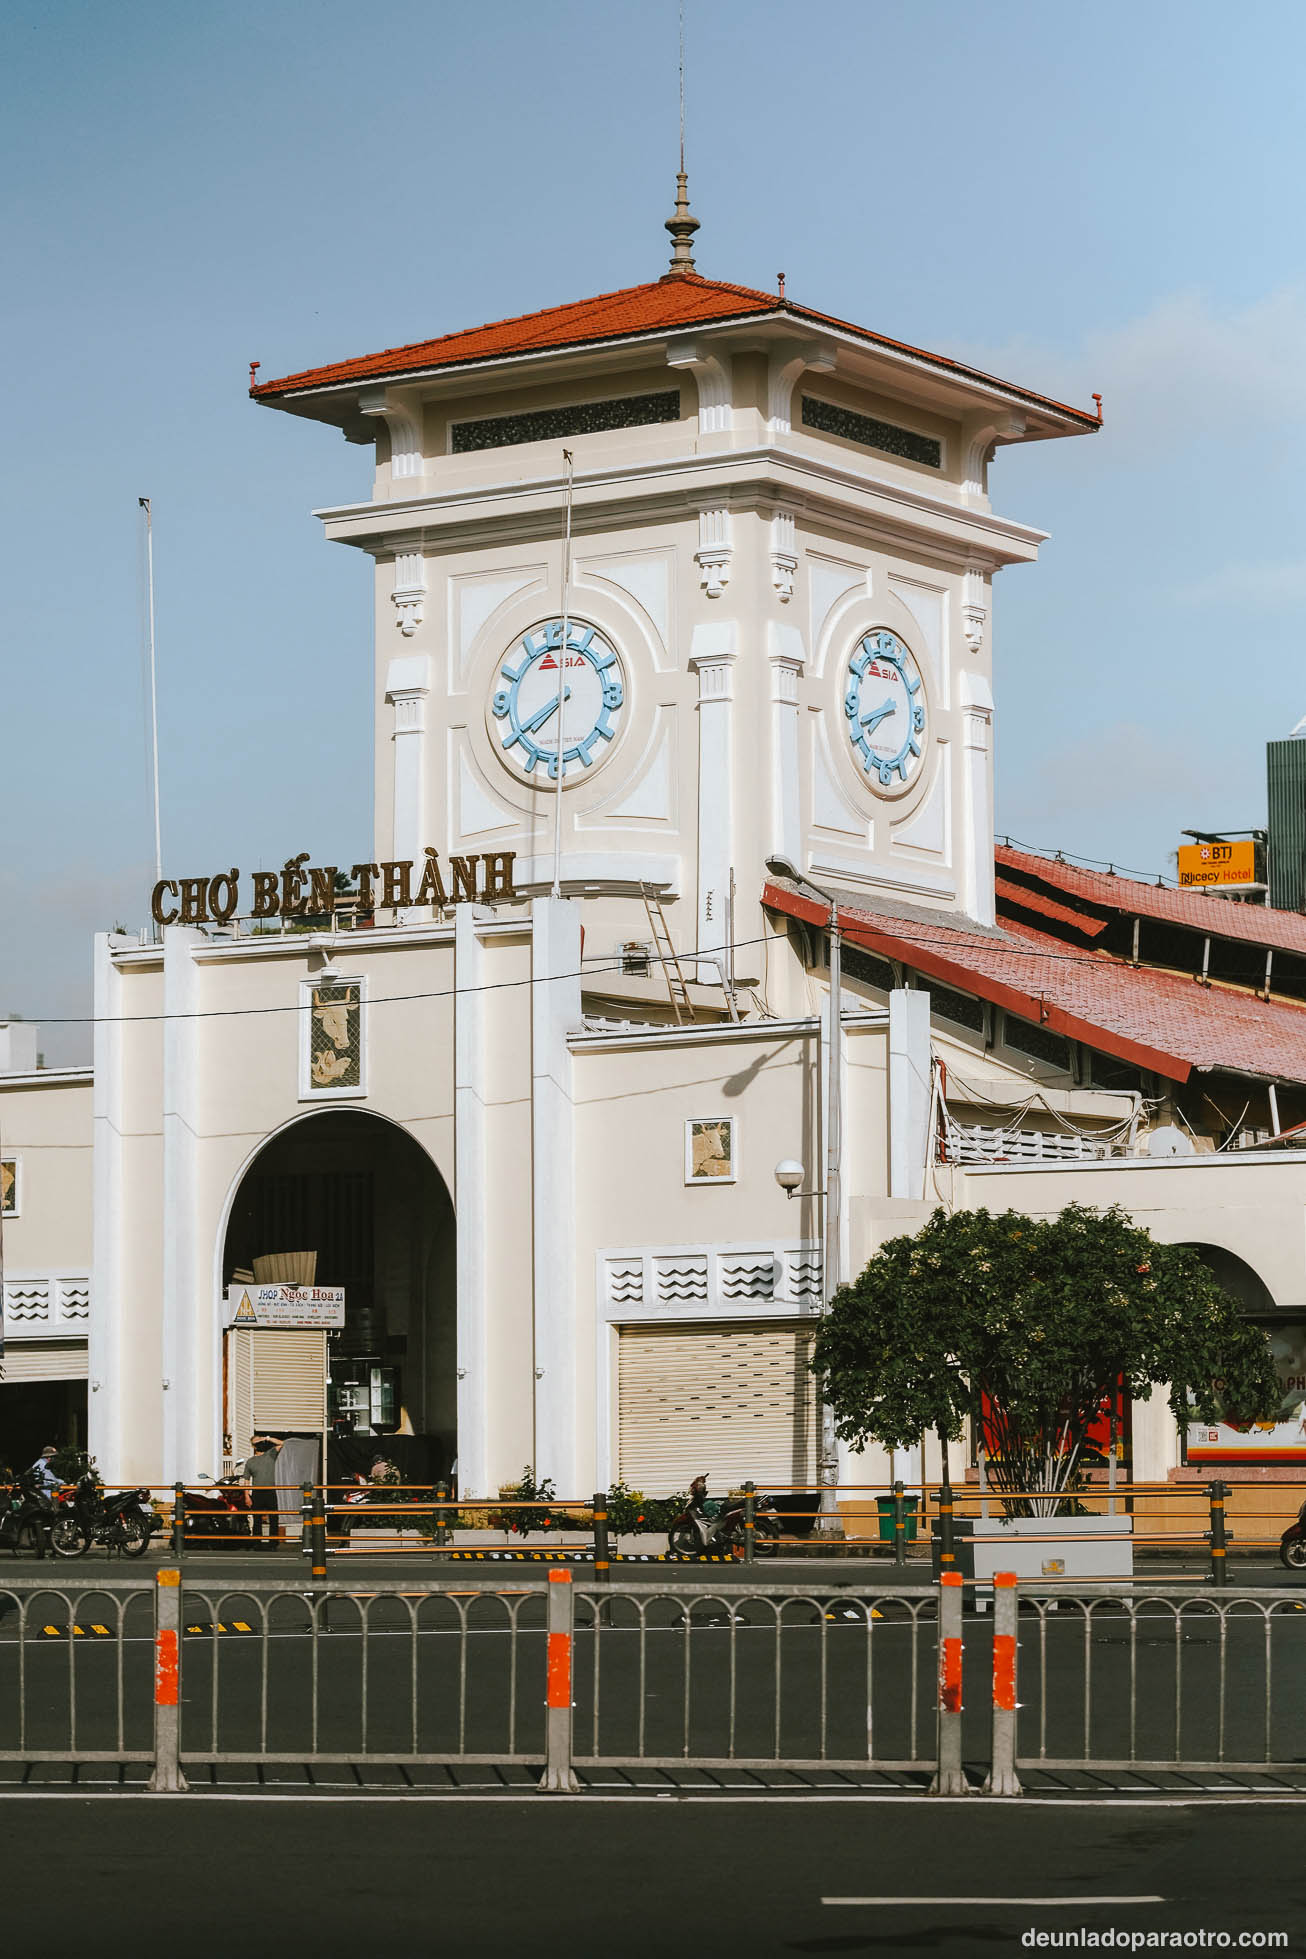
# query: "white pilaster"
472,1181
712,657
785,652
784,554
977,894
909,1091
407,684
187,1307
555,1012
105,1342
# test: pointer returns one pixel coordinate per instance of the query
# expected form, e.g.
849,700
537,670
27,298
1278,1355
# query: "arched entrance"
365,1197
1239,1278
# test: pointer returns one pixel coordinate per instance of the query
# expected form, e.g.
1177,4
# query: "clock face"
533,725
884,702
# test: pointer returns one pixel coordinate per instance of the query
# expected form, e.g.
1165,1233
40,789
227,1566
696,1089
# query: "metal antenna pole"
2,1259
556,891
828,1523
144,503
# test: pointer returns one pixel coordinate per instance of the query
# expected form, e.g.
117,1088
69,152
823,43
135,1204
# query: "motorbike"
85,1514
1292,1545
220,1510
26,1514
705,1526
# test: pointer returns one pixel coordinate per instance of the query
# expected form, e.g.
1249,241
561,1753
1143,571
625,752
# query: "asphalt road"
463,1673
210,1877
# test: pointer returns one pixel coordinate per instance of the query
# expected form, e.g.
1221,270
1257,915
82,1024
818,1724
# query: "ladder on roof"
665,953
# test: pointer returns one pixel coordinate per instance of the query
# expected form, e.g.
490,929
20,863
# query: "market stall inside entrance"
339,1282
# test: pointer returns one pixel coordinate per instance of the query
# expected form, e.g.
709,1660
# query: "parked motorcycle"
220,1510
85,1514
26,1514
1292,1545
707,1526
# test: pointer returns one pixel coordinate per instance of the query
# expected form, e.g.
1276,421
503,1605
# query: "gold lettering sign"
300,890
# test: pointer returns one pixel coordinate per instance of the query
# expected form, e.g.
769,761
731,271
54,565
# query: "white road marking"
1144,1899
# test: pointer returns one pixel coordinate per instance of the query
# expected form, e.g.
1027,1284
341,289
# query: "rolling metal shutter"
33,1360
276,1380
726,1401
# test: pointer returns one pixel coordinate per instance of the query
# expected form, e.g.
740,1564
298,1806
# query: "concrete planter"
1088,1548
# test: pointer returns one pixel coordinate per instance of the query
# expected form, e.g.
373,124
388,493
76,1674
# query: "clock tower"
676,578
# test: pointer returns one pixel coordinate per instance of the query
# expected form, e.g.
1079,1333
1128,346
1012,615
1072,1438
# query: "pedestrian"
260,1475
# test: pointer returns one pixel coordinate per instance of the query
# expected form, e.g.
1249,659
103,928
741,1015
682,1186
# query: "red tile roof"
1156,1020
1200,911
664,305
1021,897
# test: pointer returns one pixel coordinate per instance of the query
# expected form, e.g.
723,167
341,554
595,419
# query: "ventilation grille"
699,1281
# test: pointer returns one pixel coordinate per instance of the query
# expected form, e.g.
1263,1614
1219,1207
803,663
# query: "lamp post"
827,1523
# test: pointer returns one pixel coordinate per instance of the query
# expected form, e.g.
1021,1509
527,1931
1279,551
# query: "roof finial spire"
681,224
682,227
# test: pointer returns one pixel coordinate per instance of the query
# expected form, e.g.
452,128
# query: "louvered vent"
681,1278
747,1277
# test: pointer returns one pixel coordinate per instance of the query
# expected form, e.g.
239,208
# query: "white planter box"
1052,1547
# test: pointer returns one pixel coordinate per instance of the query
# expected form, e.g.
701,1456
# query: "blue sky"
1101,198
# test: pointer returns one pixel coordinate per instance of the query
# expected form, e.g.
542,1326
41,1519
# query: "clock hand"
542,714
872,720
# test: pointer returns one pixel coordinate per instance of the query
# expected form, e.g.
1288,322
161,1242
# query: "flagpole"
144,503
556,891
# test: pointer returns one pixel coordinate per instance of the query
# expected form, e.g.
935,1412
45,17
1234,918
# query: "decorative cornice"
529,508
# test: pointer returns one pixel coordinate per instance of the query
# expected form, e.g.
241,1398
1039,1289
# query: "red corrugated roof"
1200,912
664,305
1155,1020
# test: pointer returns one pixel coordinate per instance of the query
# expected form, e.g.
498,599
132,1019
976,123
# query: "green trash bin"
884,1504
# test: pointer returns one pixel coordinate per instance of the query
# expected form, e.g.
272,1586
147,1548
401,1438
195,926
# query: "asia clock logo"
885,704
559,708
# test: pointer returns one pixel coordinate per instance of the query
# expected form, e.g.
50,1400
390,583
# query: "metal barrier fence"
554,1673
349,1522
1158,1678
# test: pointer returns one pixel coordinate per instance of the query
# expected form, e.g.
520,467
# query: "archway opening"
1239,1279
363,1196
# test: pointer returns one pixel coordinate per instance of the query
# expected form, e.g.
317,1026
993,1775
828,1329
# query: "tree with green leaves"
1037,1322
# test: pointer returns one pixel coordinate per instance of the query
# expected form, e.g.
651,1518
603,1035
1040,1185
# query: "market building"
472,1143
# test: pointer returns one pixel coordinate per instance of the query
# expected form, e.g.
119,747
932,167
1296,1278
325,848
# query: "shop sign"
308,892
1216,863
1280,1439
252,1306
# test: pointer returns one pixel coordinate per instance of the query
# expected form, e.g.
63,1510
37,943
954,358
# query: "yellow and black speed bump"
233,1628
587,1557
79,1632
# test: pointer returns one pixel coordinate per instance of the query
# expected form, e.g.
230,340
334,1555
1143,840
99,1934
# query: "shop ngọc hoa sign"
272,1305
301,890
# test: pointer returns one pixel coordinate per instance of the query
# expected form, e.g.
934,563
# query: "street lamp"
827,1523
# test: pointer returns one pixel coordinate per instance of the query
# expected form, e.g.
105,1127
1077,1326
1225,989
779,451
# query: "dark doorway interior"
368,1200
33,1413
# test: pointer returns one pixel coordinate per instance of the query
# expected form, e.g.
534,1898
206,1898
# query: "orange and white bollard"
950,1777
1002,1778
167,1778
559,1778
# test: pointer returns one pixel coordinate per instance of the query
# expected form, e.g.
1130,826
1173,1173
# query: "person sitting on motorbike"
42,1474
